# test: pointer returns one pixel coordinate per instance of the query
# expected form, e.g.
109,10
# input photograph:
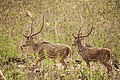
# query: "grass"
62,18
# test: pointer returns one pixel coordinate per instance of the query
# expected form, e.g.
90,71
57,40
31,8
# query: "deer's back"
54,49
95,54
104,53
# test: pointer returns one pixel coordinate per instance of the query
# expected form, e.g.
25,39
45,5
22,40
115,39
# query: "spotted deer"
47,49
103,55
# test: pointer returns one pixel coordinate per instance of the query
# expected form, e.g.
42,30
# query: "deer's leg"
40,59
109,67
88,63
63,63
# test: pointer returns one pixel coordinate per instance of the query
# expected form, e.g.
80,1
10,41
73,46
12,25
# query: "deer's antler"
88,33
40,29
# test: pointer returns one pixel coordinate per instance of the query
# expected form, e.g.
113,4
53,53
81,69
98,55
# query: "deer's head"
29,38
78,39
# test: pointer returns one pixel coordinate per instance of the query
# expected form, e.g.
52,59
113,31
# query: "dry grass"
62,18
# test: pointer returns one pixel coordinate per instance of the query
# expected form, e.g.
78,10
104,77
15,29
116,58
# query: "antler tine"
25,36
31,27
79,32
74,35
40,29
88,33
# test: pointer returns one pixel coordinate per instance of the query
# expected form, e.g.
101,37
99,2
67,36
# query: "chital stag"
103,55
51,50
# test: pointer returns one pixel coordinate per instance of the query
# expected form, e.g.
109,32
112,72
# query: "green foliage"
62,18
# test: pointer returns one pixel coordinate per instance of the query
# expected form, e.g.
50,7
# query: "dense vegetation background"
62,18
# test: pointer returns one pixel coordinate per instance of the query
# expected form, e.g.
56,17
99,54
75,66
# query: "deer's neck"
35,47
80,47
83,49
